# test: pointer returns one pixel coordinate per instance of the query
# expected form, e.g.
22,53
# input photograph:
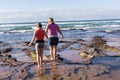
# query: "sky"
40,10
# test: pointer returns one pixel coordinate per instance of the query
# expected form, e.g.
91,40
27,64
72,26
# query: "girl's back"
39,34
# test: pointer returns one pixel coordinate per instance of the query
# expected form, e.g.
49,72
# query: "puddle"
113,62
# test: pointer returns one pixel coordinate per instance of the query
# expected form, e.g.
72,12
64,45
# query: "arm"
30,44
46,36
60,32
46,29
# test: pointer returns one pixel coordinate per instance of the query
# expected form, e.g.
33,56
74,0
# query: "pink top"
52,30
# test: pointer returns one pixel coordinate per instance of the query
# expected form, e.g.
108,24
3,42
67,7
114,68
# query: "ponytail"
52,20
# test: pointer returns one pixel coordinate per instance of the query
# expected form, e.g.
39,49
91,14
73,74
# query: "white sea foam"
66,25
1,32
16,25
114,26
78,25
108,30
20,31
33,27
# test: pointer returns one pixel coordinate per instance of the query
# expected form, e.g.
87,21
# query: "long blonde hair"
52,20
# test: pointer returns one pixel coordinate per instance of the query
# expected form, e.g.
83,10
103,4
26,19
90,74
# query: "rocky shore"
77,59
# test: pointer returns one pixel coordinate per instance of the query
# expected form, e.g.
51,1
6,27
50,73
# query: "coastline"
16,63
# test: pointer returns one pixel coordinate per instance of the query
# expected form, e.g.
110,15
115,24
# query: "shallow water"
69,50
112,62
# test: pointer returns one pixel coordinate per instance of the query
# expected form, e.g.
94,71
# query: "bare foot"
39,67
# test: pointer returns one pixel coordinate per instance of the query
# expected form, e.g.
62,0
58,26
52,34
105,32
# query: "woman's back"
52,30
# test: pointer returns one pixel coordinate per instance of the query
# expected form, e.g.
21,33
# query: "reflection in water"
41,75
41,72
54,71
49,73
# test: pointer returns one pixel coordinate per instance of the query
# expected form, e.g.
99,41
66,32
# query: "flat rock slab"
4,72
112,54
114,44
72,57
22,57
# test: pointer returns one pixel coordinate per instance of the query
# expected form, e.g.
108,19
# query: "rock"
80,40
26,43
28,51
3,44
8,60
69,74
6,50
20,75
97,70
62,41
58,55
32,55
46,57
11,60
60,58
8,55
5,73
85,55
90,56
25,49
98,41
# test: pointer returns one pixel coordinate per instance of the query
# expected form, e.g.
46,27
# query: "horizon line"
61,21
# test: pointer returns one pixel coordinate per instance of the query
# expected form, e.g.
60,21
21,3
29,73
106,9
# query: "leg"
54,52
41,56
51,52
37,56
55,47
51,47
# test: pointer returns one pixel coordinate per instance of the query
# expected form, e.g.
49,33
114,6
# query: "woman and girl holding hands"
52,29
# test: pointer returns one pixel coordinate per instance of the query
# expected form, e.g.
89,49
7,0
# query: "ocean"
91,25
12,32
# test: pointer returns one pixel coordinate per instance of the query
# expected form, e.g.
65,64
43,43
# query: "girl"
52,30
39,34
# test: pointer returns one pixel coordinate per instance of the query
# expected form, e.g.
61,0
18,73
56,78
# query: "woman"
52,30
39,34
